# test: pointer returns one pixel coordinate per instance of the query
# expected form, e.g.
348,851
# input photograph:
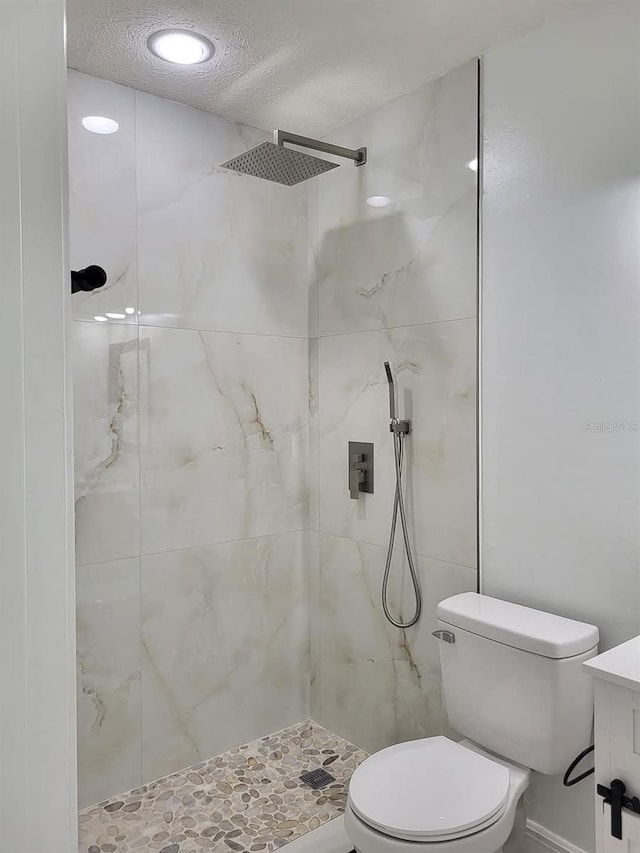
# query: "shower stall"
227,585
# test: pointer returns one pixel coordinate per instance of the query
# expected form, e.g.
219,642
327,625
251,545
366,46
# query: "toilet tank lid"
520,627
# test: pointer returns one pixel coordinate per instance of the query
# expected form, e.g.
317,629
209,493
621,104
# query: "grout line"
191,329
144,554
224,332
394,328
224,542
398,550
140,325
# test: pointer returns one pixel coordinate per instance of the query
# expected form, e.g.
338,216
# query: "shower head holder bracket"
400,427
358,155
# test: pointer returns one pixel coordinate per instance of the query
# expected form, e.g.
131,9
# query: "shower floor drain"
317,779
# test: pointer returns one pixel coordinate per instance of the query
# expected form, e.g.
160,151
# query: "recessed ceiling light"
378,201
100,319
114,316
180,47
100,124
129,310
473,165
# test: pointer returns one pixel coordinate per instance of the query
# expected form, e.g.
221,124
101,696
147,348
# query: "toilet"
514,687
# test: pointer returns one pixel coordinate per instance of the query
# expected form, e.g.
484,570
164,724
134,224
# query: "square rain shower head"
277,163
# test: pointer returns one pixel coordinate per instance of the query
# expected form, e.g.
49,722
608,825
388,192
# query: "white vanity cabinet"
617,739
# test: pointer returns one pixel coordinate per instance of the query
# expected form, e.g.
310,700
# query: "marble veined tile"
353,626
217,250
106,448
415,260
367,662
102,195
226,647
224,436
396,707
109,697
436,376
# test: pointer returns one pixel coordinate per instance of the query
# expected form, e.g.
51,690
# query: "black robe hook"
88,279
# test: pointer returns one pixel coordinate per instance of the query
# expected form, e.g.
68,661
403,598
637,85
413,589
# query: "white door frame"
37,576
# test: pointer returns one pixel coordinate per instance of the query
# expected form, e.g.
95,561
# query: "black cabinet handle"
615,796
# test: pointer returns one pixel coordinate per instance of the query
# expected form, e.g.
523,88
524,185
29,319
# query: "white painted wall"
37,721
561,335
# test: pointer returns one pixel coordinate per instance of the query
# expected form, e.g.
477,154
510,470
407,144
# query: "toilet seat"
429,790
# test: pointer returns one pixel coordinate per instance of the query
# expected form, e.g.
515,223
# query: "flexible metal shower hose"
398,507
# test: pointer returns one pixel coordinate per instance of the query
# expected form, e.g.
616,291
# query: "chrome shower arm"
358,155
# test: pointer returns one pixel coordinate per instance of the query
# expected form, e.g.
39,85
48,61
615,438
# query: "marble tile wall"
399,284
191,433
216,251
109,682
216,539
234,660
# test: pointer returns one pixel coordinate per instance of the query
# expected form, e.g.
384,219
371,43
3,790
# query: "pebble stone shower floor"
248,799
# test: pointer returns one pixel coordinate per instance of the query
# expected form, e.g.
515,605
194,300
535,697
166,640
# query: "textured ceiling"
303,65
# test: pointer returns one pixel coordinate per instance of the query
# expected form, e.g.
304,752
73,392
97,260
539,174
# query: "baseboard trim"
331,838
549,840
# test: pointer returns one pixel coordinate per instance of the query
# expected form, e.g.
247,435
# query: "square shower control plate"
360,468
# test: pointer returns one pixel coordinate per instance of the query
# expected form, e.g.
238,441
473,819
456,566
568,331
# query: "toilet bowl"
434,794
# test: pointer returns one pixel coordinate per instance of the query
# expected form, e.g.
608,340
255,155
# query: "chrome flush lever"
445,636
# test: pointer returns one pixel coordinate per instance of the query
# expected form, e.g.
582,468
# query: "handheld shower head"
392,390
399,430
397,426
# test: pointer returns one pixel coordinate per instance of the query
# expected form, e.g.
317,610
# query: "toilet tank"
513,680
